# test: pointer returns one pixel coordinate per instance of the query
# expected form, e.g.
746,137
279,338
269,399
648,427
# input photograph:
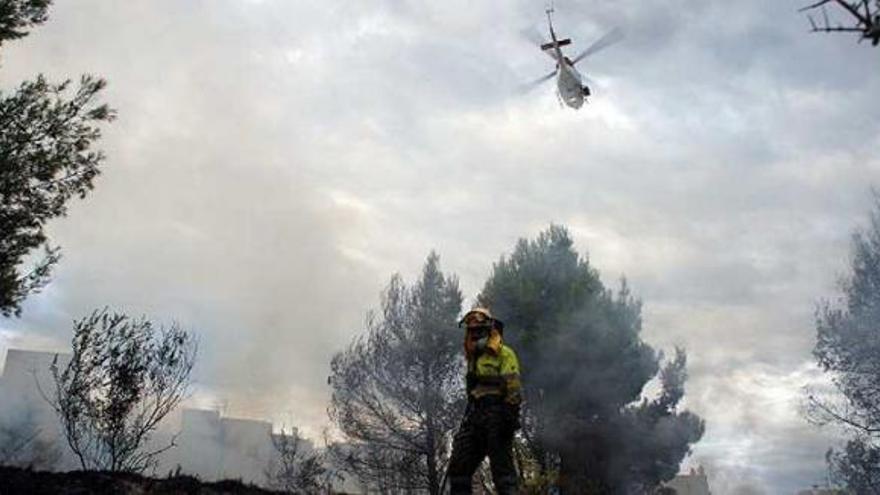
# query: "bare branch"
123,378
813,6
831,415
865,23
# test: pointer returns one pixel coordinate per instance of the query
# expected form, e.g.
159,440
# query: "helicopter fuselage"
569,82
570,85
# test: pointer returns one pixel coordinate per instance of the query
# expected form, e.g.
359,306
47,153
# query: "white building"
693,483
215,448
26,415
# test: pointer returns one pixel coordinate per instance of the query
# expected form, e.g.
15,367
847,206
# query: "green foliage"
584,369
657,435
124,376
46,158
533,479
47,133
16,16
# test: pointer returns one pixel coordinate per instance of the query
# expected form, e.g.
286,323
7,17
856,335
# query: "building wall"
199,449
694,483
247,448
25,370
24,410
213,447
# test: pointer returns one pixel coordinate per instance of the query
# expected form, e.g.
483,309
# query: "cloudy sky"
274,162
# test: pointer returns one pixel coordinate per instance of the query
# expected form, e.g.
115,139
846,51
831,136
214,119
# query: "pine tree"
47,157
848,350
584,369
397,391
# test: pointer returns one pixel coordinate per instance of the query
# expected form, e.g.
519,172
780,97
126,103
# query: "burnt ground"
17,481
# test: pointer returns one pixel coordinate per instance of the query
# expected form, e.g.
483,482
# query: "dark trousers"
487,429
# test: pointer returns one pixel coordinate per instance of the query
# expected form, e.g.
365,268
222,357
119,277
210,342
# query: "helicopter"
867,22
571,89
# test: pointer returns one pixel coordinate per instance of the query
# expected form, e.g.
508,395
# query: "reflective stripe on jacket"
496,374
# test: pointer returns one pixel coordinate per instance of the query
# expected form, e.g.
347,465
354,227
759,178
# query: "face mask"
479,332
479,335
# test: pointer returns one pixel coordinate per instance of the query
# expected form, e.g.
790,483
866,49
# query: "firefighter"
492,414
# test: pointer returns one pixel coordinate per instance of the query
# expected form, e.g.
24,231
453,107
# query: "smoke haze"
275,162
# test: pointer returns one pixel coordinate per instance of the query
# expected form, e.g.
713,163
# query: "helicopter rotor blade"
533,36
610,38
536,38
525,88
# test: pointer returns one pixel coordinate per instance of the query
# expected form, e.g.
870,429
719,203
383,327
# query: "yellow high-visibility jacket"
495,372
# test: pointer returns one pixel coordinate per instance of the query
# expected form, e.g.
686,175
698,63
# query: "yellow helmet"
480,316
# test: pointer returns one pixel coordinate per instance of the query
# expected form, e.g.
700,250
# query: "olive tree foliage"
47,157
397,389
293,468
17,16
584,368
847,349
124,376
